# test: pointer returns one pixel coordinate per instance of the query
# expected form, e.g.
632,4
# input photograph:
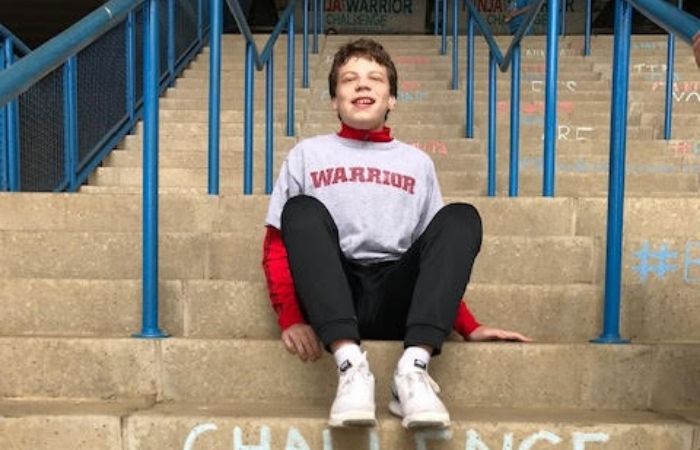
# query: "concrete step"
638,150
226,142
636,377
410,132
593,177
233,160
501,216
260,190
224,309
42,425
230,104
236,256
231,75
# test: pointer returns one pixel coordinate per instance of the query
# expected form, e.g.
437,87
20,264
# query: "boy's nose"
361,86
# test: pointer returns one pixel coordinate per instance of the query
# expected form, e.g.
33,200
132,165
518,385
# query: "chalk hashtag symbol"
663,258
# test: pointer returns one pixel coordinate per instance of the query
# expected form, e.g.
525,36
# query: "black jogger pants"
413,299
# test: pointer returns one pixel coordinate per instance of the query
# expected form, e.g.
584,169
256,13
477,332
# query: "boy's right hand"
301,340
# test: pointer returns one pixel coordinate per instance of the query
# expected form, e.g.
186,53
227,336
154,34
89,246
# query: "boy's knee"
462,215
302,210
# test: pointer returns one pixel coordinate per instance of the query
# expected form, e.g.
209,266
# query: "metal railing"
684,26
10,48
671,18
7,37
498,61
256,60
670,60
104,44
76,96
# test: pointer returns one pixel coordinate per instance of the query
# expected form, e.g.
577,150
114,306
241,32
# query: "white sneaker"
354,400
415,400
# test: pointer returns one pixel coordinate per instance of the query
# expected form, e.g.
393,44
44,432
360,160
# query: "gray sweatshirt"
381,195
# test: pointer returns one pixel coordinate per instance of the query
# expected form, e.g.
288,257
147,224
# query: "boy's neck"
383,135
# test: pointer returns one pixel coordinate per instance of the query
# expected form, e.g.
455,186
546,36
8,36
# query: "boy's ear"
334,104
392,103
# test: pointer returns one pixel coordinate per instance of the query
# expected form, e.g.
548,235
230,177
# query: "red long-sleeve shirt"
283,295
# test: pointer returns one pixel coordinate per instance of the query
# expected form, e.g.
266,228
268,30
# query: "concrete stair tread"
479,192
305,411
224,309
122,212
498,374
41,425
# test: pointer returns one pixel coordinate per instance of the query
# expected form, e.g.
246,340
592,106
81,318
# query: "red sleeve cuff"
465,322
280,283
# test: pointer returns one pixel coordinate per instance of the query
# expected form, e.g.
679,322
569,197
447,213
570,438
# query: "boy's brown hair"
368,49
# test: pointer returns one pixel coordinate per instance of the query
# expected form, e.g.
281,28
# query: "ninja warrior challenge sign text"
413,17
375,16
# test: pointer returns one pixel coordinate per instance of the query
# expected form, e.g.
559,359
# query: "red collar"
383,135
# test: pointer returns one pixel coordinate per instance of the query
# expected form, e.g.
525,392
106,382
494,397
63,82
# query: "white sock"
414,357
347,352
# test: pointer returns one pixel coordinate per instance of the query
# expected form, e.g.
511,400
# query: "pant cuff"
425,335
339,330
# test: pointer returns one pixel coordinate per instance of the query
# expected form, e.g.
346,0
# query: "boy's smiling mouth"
363,102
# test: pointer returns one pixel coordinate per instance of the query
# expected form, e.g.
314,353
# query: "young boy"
359,246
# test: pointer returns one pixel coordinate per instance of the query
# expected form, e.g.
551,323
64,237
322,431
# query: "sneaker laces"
348,377
421,379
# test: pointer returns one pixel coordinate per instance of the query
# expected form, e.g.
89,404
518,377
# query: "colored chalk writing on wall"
661,261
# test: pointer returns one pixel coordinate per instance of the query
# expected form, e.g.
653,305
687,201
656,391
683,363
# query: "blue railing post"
668,107
322,18
3,128
455,44
670,63
171,42
443,47
616,189
493,99
550,112
514,123
269,123
305,42
216,28
470,77
12,131
562,18
316,25
589,22
200,20
131,67
290,75
248,119
151,77
70,122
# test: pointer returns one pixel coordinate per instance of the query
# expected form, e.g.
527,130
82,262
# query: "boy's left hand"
484,333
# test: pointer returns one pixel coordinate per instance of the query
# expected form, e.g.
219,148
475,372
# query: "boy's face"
362,96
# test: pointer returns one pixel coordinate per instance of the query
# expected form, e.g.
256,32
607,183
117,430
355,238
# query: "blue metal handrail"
498,60
255,60
62,50
20,46
685,26
669,17
20,76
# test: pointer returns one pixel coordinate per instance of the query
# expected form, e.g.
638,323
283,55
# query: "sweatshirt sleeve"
465,322
280,284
